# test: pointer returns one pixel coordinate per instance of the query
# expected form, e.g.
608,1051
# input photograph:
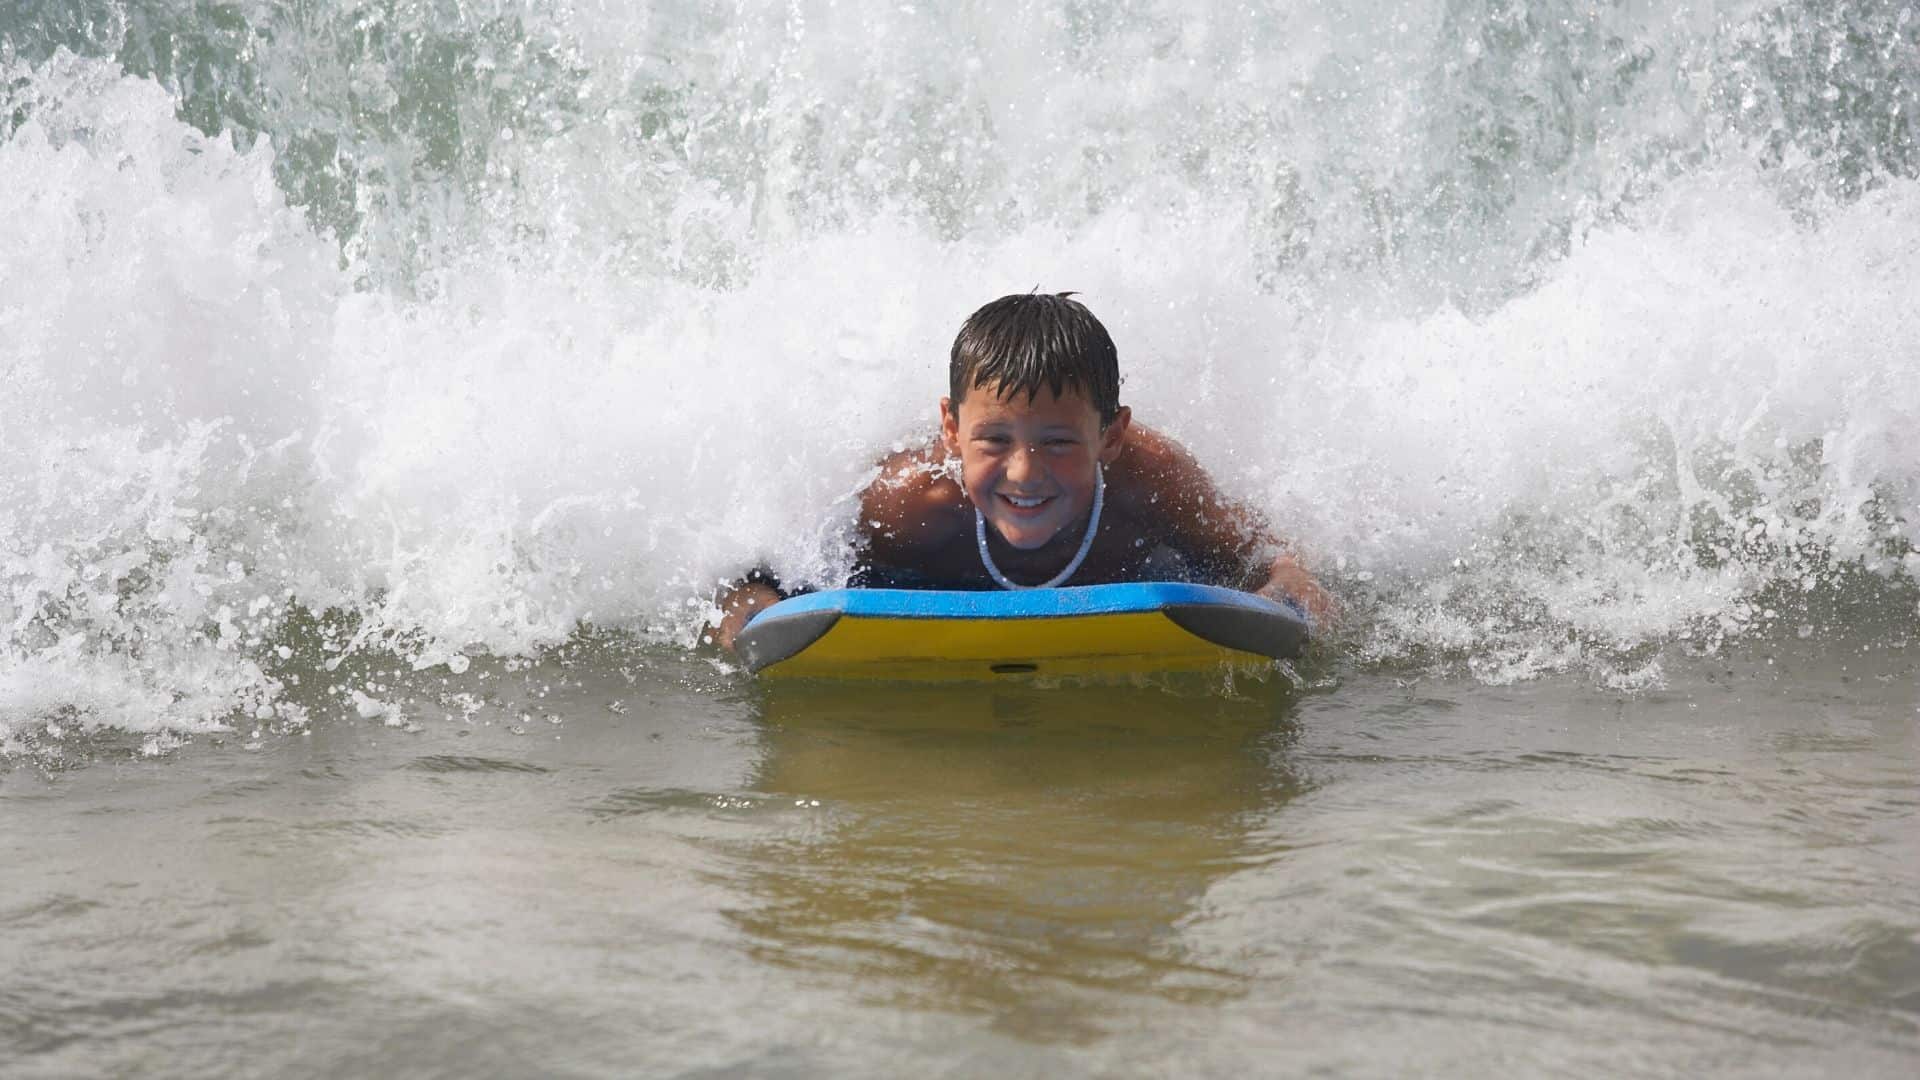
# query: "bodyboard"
1134,627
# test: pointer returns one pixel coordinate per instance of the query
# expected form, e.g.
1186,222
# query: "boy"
1040,478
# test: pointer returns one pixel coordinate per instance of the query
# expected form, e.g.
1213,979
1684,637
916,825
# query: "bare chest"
1122,550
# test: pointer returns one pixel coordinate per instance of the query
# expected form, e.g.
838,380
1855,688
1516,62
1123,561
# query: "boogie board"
1083,630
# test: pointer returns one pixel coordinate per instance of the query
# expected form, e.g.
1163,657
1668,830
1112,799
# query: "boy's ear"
949,425
1115,435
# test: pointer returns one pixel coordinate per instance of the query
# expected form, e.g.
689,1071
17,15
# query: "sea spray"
1679,418
165,314
1555,338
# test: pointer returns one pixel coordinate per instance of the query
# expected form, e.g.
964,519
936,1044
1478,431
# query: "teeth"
1024,504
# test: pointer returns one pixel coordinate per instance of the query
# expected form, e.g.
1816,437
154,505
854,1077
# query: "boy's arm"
904,512
739,603
1223,535
1288,580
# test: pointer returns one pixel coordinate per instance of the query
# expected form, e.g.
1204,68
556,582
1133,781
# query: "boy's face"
1029,465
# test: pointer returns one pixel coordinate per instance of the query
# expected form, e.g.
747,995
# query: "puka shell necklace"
1086,542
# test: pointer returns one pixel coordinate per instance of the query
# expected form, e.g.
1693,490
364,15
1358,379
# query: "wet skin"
1029,465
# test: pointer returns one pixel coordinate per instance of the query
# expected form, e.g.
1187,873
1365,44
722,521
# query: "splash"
1557,339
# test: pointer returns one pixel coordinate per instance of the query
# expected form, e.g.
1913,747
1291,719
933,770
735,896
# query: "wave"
1550,355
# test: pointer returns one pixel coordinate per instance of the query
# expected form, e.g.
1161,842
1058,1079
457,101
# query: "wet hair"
1019,343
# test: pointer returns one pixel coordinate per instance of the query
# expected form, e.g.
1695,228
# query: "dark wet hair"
1019,343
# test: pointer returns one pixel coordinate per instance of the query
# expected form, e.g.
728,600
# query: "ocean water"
386,385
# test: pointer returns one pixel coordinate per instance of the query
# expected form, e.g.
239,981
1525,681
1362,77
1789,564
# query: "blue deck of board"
1024,604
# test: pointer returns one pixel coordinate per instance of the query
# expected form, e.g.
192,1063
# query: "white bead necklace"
1086,542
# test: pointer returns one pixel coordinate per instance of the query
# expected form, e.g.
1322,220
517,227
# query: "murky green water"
683,874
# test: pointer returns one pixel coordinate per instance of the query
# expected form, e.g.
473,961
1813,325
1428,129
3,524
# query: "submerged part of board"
1083,630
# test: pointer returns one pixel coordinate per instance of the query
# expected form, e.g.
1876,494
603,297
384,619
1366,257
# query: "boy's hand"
1287,579
739,604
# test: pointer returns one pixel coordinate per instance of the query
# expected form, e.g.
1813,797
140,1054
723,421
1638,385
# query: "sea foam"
624,348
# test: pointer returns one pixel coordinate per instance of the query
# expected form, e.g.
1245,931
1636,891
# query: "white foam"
636,380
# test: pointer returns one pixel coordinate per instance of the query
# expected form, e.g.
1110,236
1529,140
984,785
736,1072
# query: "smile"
1026,503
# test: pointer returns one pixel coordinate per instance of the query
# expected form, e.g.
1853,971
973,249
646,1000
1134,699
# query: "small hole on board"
1015,669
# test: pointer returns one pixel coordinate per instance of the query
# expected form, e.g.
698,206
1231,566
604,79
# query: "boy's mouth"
1024,502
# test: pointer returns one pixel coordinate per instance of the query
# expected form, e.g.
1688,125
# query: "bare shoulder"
1163,484
1156,469
913,504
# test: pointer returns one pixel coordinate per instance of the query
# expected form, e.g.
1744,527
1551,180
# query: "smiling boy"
1040,479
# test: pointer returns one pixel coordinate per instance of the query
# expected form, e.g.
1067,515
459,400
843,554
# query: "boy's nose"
1024,464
